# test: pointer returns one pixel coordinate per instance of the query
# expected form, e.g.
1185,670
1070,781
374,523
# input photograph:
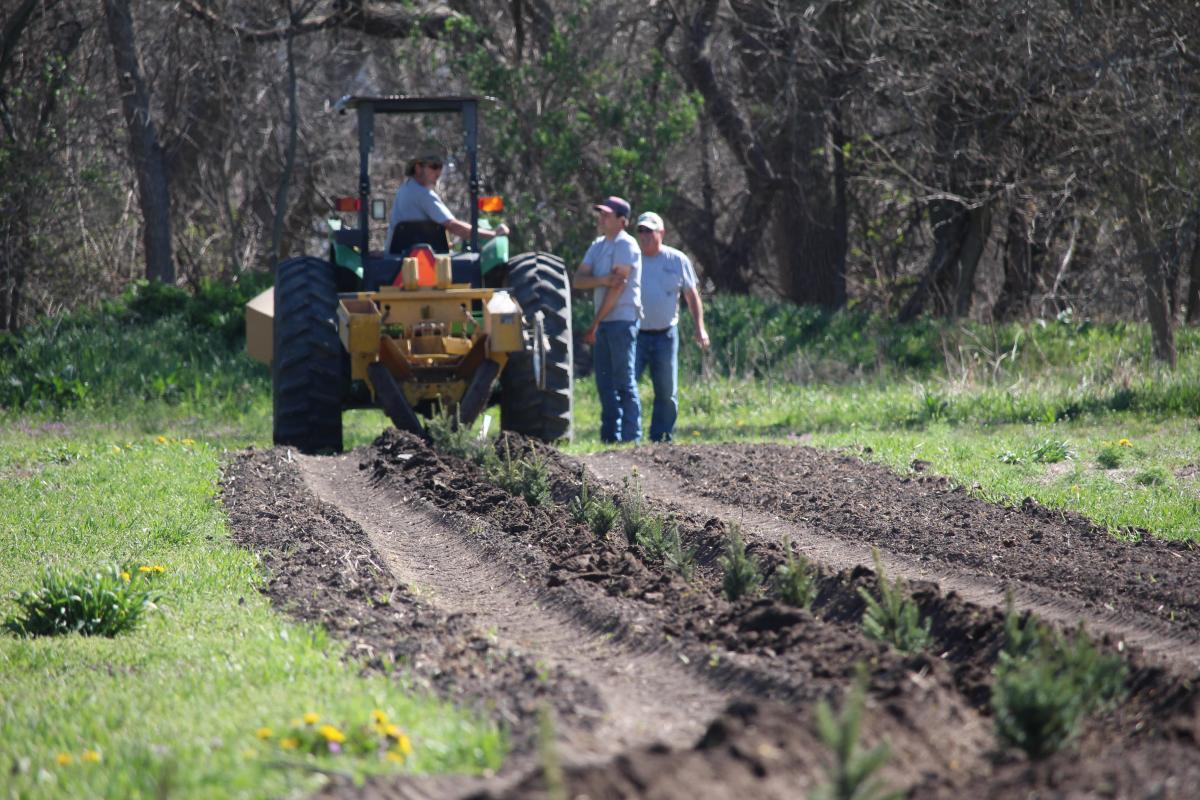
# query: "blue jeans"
620,408
660,351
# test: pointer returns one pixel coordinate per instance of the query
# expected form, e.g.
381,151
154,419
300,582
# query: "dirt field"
659,687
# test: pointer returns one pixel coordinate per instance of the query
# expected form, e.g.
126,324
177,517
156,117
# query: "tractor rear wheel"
536,385
310,371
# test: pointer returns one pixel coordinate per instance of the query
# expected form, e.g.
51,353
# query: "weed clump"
742,575
1109,456
106,602
794,581
1046,684
634,514
851,774
893,618
1155,476
1050,451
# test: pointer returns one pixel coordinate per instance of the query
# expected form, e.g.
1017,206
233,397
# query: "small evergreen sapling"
893,618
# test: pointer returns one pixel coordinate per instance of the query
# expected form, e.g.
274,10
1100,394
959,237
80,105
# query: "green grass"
172,707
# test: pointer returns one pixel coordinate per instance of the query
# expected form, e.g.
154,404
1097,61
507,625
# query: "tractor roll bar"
368,107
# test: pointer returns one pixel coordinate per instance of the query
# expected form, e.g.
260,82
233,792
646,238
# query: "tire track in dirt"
647,697
1178,652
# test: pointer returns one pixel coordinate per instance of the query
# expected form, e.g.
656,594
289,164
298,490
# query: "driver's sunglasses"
433,164
644,230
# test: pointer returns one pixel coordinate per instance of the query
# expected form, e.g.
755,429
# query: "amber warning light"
347,203
491,204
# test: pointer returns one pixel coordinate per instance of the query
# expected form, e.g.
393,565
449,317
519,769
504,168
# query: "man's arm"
463,230
584,279
617,280
692,297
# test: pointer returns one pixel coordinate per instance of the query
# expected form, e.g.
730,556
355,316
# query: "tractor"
415,330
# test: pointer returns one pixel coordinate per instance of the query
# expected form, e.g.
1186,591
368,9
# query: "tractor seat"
407,234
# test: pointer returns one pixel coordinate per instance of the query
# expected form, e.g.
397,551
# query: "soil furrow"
1177,646
644,697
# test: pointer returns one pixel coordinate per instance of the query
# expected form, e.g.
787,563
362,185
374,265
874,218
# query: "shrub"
603,516
851,773
893,618
1155,476
794,581
1109,456
676,556
1045,685
106,602
741,570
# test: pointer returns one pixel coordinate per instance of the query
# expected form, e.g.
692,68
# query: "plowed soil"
660,687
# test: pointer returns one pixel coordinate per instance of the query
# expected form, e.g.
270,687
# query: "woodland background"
994,161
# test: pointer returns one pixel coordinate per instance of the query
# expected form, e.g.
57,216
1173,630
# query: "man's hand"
589,336
502,229
702,339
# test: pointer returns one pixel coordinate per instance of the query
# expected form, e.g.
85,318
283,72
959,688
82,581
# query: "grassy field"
114,422
178,706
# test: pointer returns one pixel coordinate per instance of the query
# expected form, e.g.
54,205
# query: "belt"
654,330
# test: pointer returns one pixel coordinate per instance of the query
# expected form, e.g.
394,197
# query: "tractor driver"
417,200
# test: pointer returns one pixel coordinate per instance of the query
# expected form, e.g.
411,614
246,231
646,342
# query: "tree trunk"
1158,299
1193,292
281,195
149,164
979,229
1022,263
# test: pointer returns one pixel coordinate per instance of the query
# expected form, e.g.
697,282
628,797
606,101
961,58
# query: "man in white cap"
612,269
666,273
417,201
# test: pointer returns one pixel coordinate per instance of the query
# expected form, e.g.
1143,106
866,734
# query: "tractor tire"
310,372
536,385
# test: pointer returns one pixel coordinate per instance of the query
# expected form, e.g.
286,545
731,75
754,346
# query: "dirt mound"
585,604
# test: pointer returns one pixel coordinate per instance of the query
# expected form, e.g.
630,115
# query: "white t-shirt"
664,276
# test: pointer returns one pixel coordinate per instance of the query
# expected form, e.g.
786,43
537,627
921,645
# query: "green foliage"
1050,451
1154,476
603,516
1110,455
634,514
449,436
527,478
742,576
154,342
893,617
103,602
676,556
1045,685
851,774
579,509
794,581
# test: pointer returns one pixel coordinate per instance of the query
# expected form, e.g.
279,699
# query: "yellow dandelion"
404,745
90,756
263,733
1124,443
125,575
331,734
289,743
393,731
311,718
1075,488
116,448
695,433
189,442
392,755
379,717
160,439
64,759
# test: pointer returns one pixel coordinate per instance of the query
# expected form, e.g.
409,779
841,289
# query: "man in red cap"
612,269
